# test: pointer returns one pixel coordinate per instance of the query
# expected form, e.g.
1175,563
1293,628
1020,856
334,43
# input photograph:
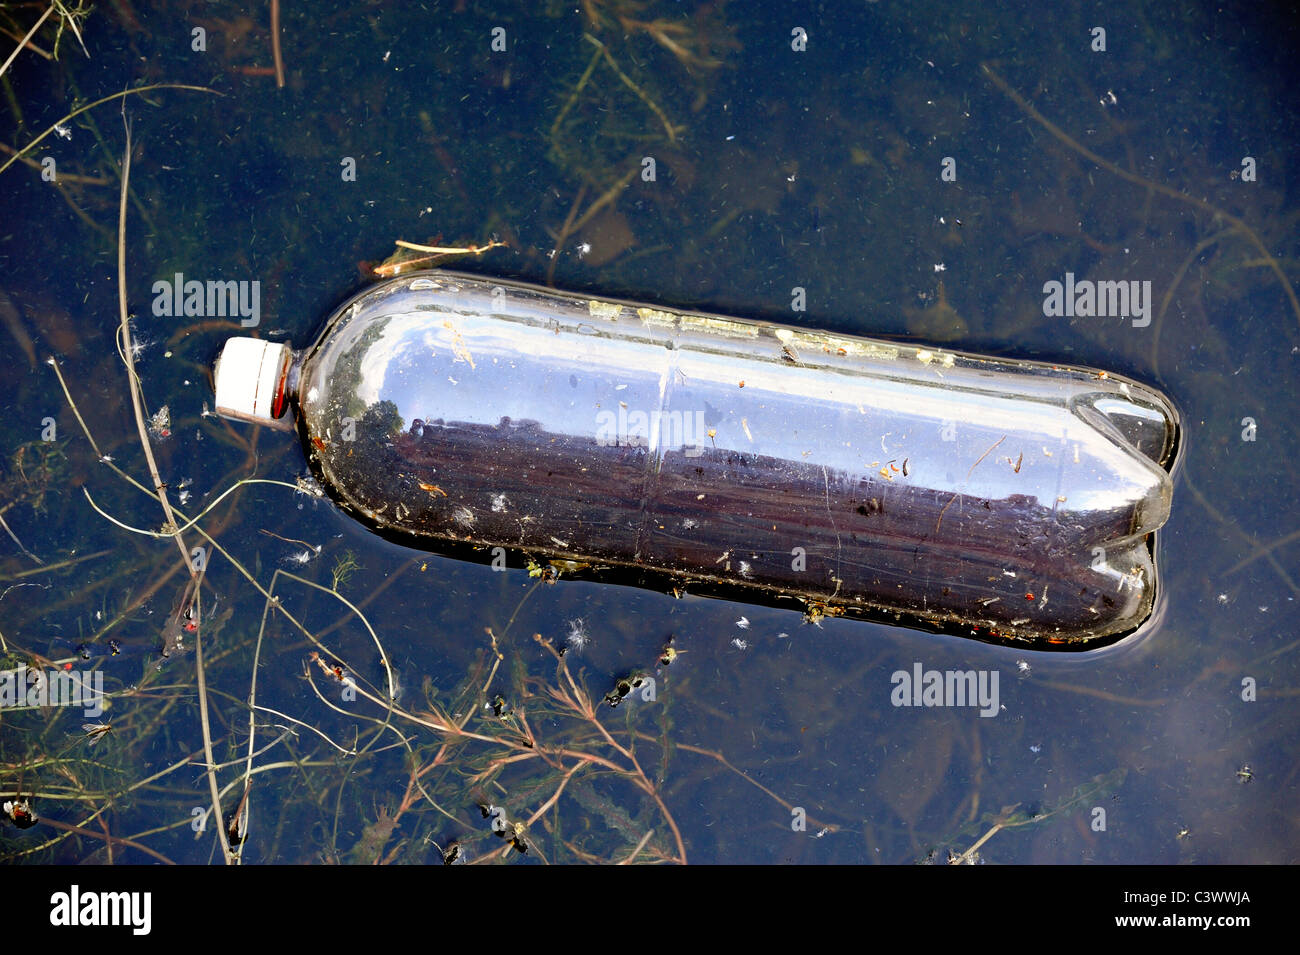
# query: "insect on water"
95,732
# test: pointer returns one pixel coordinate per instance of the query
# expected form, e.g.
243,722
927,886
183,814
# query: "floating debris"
160,424
577,638
623,687
19,811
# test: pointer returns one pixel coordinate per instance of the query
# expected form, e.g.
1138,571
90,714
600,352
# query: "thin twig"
639,846
99,102
192,521
208,759
106,837
30,33
306,726
14,538
275,44
160,488
125,331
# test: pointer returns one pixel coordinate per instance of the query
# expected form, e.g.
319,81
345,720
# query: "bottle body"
1011,501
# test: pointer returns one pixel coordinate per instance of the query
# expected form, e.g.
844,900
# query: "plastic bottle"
1009,501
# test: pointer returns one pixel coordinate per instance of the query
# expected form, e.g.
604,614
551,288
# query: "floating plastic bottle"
1010,501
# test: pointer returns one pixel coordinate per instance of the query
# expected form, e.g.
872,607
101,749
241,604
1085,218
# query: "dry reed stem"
30,33
192,593
275,44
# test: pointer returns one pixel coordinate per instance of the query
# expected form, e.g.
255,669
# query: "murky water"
1162,160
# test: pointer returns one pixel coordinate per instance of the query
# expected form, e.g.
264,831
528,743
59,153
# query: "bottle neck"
287,392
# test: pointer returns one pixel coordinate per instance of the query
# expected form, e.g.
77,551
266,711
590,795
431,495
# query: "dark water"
768,739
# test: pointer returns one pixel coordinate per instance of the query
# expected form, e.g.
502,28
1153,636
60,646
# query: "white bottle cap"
249,379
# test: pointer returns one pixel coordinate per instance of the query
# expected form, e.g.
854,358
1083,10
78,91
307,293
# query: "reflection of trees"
339,365
359,469
382,420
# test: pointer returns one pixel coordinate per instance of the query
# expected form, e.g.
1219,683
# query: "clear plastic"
1010,501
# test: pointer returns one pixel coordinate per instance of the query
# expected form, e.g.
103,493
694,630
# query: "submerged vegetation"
277,687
